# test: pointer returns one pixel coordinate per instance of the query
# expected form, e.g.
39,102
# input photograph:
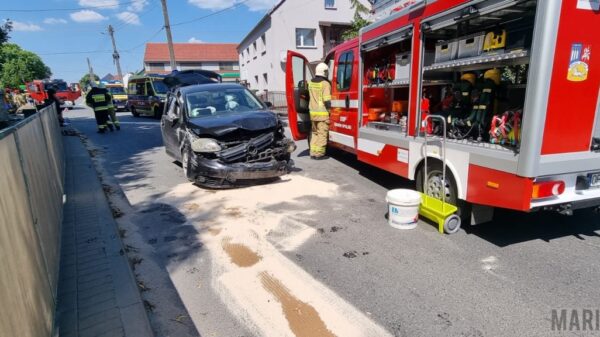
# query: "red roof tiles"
156,52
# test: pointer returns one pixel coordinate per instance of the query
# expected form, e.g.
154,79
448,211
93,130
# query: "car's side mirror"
269,104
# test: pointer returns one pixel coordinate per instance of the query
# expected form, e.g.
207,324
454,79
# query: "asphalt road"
499,279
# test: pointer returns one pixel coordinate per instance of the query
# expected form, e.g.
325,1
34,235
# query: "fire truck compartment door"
297,75
389,39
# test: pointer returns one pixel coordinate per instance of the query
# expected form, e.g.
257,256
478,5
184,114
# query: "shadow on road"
508,227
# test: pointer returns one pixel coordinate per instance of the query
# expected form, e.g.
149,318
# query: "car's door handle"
347,101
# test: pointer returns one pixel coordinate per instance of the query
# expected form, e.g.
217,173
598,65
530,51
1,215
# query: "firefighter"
99,100
113,121
320,102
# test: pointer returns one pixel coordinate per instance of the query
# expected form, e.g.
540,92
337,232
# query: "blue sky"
78,31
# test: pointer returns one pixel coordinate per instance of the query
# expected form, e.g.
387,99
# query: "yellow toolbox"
494,40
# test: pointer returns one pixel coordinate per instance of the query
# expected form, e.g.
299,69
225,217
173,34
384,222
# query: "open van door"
297,75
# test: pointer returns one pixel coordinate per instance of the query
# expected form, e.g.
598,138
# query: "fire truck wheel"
436,188
452,224
133,112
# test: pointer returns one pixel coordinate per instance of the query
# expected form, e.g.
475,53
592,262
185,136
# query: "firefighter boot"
118,127
111,127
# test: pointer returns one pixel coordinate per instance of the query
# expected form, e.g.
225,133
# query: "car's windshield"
219,101
116,90
159,87
59,86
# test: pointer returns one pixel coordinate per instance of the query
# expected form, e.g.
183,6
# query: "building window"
329,4
254,48
263,40
256,80
226,65
305,37
266,79
189,65
156,66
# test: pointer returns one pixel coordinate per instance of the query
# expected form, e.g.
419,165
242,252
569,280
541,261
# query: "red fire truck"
516,80
67,94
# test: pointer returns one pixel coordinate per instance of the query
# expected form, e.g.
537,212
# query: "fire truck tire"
451,189
133,112
452,224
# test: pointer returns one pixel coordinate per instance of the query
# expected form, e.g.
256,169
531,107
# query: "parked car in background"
119,96
146,95
221,133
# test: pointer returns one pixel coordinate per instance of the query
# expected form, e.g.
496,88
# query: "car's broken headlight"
205,145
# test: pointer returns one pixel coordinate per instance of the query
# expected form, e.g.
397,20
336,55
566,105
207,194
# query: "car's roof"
210,86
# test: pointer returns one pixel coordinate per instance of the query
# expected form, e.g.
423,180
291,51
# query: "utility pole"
169,37
116,56
92,82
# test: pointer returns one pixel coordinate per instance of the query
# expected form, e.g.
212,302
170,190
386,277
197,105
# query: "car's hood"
217,126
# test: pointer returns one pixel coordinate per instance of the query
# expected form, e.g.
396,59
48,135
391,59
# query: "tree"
85,80
20,66
358,21
5,29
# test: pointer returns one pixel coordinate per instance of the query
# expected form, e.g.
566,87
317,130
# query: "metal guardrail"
32,170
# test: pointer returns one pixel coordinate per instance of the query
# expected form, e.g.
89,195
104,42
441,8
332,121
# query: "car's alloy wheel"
185,164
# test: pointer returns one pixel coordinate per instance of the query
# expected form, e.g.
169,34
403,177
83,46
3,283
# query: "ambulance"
515,82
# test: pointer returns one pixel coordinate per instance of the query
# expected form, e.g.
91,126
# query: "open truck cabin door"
297,75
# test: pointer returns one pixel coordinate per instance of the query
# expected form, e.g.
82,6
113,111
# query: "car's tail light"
547,189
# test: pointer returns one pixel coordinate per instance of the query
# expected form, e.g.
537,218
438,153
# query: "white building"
311,28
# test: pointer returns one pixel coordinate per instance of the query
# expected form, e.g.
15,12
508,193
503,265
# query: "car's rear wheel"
133,112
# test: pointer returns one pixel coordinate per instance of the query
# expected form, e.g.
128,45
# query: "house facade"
218,57
308,27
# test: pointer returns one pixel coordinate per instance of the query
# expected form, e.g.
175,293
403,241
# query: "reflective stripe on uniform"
319,113
99,98
101,108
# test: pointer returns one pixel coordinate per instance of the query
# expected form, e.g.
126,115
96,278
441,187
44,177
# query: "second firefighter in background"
100,100
319,89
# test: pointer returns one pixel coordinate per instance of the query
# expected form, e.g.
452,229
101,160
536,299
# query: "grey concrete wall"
31,180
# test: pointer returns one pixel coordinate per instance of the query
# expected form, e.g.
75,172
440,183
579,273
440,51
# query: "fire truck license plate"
594,179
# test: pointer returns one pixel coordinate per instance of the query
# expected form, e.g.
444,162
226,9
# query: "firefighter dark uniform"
99,100
112,120
319,105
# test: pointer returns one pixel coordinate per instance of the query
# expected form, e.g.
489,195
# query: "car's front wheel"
185,164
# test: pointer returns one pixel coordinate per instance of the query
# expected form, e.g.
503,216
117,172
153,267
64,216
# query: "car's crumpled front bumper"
214,169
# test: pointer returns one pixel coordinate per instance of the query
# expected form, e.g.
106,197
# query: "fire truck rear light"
547,189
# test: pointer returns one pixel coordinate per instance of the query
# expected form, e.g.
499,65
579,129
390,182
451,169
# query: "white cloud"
87,15
137,5
253,5
129,18
101,4
260,5
54,21
212,4
25,27
195,40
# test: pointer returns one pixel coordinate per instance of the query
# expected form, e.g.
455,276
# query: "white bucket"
403,208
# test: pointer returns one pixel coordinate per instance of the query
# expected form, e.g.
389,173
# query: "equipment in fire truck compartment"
485,60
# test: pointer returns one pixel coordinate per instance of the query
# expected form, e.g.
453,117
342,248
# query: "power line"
27,10
209,15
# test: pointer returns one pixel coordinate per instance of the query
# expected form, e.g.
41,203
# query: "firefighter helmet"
470,77
493,74
322,69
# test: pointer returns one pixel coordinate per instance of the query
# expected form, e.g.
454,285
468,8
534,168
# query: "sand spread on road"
246,230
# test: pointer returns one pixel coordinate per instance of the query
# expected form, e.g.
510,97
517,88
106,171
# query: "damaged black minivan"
222,135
